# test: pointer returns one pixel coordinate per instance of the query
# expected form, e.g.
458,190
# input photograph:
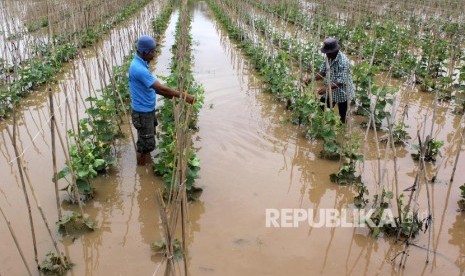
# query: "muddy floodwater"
252,159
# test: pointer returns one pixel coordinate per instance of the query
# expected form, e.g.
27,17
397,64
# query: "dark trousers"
145,123
342,107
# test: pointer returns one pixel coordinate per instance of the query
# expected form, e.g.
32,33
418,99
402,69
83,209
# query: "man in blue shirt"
341,84
143,86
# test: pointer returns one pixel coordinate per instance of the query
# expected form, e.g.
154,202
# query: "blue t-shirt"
140,86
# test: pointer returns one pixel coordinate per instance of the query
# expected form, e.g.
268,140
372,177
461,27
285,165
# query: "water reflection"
263,138
115,212
457,238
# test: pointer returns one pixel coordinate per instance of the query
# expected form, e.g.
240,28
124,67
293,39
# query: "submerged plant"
381,203
360,201
399,134
327,125
346,173
160,248
167,158
461,202
432,151
304,109
75,223
406,224
52,265
88,158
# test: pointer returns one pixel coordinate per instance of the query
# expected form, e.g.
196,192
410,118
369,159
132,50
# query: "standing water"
252,159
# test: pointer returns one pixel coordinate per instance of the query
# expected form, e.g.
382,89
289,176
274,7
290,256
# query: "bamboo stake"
329,92
113,83
396,176
435,107
429,220
76,106
70,166
54,157
416,192
67,108
373,123
13,235
38,205
23,183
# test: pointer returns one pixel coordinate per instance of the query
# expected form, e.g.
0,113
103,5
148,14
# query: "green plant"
347,170
75,223
381,203
360,201
383,97
34,26
91,152
406,65
409,224
399,134
326,124
165,162
277,75
304,107
364,75
48,58
86,162
160,248
461,202
433,61
433,150
52,265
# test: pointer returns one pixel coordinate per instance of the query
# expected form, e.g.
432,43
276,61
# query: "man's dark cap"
145,44
330,45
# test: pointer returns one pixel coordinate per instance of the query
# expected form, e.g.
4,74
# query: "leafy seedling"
160,248
52,264
74,223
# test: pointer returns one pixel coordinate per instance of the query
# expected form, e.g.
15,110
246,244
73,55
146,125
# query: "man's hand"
322,90
189,98
306,81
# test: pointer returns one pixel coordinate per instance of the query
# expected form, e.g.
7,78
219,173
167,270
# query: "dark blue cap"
145,44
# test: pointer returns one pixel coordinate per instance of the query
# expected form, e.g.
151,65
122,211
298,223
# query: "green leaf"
84,187
99,163
158,246
376,232
63,173
194,162
82,173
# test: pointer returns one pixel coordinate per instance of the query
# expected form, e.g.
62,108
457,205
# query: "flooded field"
252,159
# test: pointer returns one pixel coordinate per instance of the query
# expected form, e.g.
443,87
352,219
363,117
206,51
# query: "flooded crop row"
258,156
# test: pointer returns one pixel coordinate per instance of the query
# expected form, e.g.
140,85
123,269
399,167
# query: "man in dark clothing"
341,84
143,86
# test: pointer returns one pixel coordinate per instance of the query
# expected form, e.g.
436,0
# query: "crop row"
19,81
180,77
91,151
320,122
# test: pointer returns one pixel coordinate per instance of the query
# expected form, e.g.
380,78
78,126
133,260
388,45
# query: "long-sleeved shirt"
339,73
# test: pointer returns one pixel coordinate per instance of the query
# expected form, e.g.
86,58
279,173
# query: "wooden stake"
13,139
54,156
12,232
36,199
